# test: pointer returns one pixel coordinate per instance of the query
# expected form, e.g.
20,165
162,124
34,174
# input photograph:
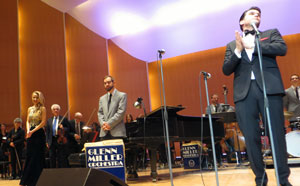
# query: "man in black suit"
57,132
76,133
241,58
16,145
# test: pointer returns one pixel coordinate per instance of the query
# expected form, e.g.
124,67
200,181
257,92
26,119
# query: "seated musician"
91,134
128,118
216,107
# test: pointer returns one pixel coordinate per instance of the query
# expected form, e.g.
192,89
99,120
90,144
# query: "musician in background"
16,145
291,101
76,133
57,130
216,107
128,118
3,147
112,109
95,132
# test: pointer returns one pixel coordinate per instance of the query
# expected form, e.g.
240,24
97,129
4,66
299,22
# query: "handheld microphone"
253,24
206,74
161,51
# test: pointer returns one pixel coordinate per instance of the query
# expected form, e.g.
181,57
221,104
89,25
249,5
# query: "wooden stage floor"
228,176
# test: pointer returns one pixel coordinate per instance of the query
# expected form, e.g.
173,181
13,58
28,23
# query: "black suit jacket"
272,45
72,128
49,130
17,137
73,131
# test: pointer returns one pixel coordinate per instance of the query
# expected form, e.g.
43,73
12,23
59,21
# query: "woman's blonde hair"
41,98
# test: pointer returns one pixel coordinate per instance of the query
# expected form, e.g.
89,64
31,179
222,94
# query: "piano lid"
170,109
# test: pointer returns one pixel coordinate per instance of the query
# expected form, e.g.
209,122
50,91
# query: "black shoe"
262,184
12,178
287,184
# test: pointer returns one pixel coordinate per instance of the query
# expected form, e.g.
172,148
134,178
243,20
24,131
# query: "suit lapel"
245,56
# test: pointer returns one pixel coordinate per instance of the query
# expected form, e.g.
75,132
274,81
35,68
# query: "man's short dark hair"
244,13
109,76
294,75
214,95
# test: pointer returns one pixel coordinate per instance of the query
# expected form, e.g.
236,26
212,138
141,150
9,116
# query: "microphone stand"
145,117
165,117
266,103
211,129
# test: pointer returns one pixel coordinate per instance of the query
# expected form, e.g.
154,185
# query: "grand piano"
149,132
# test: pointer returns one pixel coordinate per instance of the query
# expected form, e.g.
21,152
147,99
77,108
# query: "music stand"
226,117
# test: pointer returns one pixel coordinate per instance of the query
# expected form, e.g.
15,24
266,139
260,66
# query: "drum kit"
293,137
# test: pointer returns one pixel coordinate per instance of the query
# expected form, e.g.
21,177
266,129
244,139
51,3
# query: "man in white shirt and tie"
291,99
76,133
58,150
112,108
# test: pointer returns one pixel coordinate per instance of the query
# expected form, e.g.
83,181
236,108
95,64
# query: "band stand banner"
191,155
108,155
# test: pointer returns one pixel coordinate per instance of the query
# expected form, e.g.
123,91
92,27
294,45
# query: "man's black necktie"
252,32
297,94
109,100
78,128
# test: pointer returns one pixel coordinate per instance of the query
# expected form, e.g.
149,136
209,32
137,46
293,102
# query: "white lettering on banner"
106,164
105,158
190,151
100,151
112,157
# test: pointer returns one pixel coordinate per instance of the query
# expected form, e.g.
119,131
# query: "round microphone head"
137,105
161,51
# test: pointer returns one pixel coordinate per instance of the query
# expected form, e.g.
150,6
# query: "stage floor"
230,175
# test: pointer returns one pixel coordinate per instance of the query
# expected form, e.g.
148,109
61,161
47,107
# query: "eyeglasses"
107,82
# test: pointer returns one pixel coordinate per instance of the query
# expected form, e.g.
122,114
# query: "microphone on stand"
253,24
225,89
206,74
161,51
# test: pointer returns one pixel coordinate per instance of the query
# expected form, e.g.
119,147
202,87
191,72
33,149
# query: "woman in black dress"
3,148
36,141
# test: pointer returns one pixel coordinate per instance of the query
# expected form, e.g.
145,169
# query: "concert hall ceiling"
141,27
